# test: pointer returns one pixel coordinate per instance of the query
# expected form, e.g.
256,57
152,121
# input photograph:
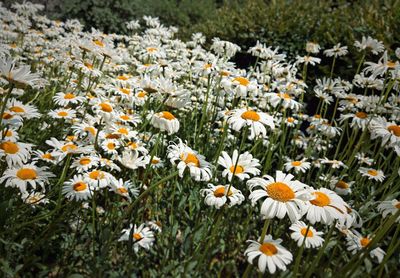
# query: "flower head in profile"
270,254
19,76
218,195
239,165
283,196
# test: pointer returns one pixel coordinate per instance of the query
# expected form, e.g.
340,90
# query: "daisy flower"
98,179
165,121
26,111
335,164
63,113
255,120
312,47
389,207
312,239
77,188
21,176
132,160
372,174
34,198
340,186
356,242
199,168
142,236
15,152
325,206
269,253
239,165
66,99
123,188
336,51
283,196
298,165
84,163
44,156
388,131
20,76
218,195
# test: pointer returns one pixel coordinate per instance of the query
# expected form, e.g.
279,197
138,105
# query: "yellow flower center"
321,199
122,77
372,172
125,91
106,107
155,161
239,169
190,158
98,43
137,236
296,163
394,129
364,241
91,129
220,192
284,95
342,184
280,191
68,147
242,81
48,156
361,115
268,249
111,146
167,115
26,174
397,205
142,94
391,64
17,109
69,96
84,161
9,147
125,117
251,115
62,114
89,66
306,233
96,175
151,49
123,130
80,186
290,120
9,133
7,116
122,190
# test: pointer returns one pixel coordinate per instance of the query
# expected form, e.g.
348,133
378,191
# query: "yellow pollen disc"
224,73
268,249
92,130
239,169
303,232
364,241
9,133
98,43
9,147
296,163
361,115
122,190
71,138
80,186
372,172
290,120
391,64
220,192
7,116
68,147
151,49
62,114
321,199
124,117
155,161
342,184
137,236
251,115
190,158
207,66
167,115
106,107
351,99
317,116
122,77
395,129
123,130
125,91
17,109
26,174
242,81
96,175
112,136
133,145
47,156
84,161
141,94
280,191
284,95
111,146
397,205
69,96
89,66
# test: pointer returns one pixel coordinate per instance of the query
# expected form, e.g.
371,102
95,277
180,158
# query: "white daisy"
301,232
239,165
218,195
